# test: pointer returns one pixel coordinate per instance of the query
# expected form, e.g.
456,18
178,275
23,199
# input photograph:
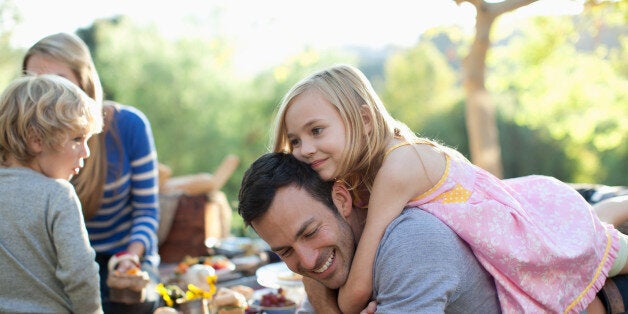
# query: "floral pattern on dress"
537,237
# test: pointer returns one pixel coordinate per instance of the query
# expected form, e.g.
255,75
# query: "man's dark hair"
271,172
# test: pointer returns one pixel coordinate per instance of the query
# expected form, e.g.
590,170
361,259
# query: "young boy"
47,263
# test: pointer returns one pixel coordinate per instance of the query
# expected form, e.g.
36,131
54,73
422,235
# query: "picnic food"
247,292
218,262
289,276
277,299
228,301
197,276
129,286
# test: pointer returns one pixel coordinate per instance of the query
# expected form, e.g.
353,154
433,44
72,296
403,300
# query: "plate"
232,246
270,276
273,310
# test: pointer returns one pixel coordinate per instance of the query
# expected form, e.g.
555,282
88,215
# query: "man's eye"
284,253
310,234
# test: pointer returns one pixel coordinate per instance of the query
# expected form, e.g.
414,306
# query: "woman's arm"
140,147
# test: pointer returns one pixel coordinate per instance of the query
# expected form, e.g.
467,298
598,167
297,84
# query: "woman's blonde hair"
351,93
70,50
47,108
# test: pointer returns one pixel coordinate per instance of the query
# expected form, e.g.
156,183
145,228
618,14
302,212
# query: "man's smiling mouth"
327,264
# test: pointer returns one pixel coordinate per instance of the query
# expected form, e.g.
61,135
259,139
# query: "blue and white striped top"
130,204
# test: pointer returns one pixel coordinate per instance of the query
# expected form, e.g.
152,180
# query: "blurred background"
210,74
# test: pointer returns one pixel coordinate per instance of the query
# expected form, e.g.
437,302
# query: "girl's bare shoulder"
420,165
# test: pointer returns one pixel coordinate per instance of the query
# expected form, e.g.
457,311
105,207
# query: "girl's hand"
322,299
370,308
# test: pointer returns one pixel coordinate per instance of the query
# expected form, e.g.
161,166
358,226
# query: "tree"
480,112
419,83
11,58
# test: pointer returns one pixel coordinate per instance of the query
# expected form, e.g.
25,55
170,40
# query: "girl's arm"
322,299
402,176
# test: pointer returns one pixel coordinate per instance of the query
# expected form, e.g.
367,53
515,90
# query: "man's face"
308,236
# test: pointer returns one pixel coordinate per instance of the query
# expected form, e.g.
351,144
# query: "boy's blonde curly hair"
46,107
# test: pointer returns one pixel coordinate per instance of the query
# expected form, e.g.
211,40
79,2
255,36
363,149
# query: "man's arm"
422,266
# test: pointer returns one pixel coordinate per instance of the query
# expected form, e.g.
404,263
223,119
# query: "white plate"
268,276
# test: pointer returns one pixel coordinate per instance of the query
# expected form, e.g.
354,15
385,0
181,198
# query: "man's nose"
307,257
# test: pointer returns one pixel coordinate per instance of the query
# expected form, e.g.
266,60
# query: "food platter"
233,246
277,275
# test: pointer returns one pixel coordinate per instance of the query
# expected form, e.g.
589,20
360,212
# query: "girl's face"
316,133
63,163
43,64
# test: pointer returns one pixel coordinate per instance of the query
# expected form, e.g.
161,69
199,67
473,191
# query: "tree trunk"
480,112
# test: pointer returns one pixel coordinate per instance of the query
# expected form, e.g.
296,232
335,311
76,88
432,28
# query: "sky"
266,31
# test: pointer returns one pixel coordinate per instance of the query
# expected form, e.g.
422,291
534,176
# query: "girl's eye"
317,131
294,142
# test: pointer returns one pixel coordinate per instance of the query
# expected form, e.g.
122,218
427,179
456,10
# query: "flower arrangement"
173,295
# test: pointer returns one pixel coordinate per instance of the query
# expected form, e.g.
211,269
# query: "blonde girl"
534,234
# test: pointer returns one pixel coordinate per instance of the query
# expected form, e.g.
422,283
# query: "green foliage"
11,58
418,84
576,97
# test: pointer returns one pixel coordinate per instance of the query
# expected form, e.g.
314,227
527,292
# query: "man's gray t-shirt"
422,266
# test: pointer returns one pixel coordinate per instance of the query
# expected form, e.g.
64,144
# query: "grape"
277,299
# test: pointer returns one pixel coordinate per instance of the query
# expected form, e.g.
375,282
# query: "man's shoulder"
421,263
418,222
416,235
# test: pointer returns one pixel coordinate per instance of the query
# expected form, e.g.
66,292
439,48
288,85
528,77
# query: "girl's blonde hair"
70,50
347,89
46,107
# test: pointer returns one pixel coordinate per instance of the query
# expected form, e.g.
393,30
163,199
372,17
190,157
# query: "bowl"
272,310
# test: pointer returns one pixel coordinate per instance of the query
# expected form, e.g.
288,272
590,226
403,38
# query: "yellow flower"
161,289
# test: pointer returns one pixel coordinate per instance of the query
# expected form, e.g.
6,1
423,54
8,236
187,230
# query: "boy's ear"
342,199
34,143
367,118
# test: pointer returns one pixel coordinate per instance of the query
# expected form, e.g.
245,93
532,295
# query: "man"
421,265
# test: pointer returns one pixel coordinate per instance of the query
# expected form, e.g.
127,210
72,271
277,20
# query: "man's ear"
367,118
342,199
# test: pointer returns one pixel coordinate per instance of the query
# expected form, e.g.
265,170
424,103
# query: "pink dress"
538,238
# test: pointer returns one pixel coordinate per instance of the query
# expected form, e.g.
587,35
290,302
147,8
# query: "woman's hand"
123,262
127,264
